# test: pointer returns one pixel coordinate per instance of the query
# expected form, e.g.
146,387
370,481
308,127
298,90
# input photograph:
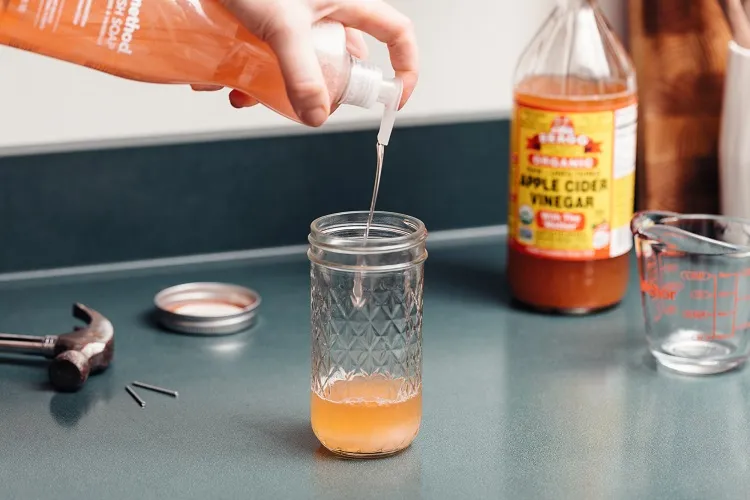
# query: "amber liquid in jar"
562,285
365,416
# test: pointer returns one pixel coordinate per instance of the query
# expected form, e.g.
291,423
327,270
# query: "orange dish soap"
183,42
572,173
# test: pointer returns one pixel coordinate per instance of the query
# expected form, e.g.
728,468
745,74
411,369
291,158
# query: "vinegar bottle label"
572,181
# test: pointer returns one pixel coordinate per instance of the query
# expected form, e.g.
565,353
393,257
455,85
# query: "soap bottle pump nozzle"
390,96
366,87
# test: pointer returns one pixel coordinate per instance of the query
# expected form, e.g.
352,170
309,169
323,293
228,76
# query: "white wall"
50,105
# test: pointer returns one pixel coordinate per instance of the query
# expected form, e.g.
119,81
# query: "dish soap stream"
379,170
391,99
357,295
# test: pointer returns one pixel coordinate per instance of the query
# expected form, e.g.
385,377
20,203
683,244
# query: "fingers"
236,98
355,44
739,22
286,25
241,100
293,44
205,88
390,27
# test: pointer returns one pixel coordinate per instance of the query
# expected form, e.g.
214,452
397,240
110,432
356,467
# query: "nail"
156,388
135,396
314,117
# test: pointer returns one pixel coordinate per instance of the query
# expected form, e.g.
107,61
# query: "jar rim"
325,232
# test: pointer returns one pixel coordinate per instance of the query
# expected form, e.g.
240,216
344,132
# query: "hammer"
74,355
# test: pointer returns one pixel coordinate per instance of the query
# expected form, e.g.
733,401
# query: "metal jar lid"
207,308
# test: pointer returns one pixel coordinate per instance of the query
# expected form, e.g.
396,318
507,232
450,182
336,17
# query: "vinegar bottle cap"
367,87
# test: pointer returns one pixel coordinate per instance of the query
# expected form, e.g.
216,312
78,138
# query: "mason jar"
366,321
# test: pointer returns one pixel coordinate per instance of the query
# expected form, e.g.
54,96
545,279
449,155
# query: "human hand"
286,25
738,15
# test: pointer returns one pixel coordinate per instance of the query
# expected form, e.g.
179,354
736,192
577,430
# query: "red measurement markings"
670,310
713,295
657,292
716,289
714,336
697,314
704,314
696,276
744,272
668,291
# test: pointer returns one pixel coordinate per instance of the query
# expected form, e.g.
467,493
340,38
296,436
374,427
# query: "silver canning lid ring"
207,308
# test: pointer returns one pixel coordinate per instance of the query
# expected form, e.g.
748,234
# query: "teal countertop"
516,404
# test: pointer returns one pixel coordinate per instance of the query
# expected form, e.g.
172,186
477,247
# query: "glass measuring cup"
695,289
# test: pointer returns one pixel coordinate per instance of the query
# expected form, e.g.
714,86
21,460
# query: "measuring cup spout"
691,233
645,220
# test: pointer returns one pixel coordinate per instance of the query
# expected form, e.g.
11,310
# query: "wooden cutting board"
680,50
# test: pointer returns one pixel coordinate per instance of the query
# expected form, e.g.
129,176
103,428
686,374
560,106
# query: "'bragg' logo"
562,133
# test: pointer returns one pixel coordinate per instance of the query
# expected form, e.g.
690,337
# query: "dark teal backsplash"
91,207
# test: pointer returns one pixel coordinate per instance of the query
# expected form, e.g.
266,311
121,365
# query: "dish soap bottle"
184,42
572,172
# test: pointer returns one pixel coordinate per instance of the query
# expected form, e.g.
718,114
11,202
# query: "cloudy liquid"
366,416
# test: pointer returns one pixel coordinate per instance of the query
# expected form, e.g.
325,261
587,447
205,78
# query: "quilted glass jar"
366,319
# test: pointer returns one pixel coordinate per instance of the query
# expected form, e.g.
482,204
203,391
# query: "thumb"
293,44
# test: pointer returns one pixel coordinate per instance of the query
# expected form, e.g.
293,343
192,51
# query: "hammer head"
84,351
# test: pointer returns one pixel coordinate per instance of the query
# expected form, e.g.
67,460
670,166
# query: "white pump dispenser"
366,87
